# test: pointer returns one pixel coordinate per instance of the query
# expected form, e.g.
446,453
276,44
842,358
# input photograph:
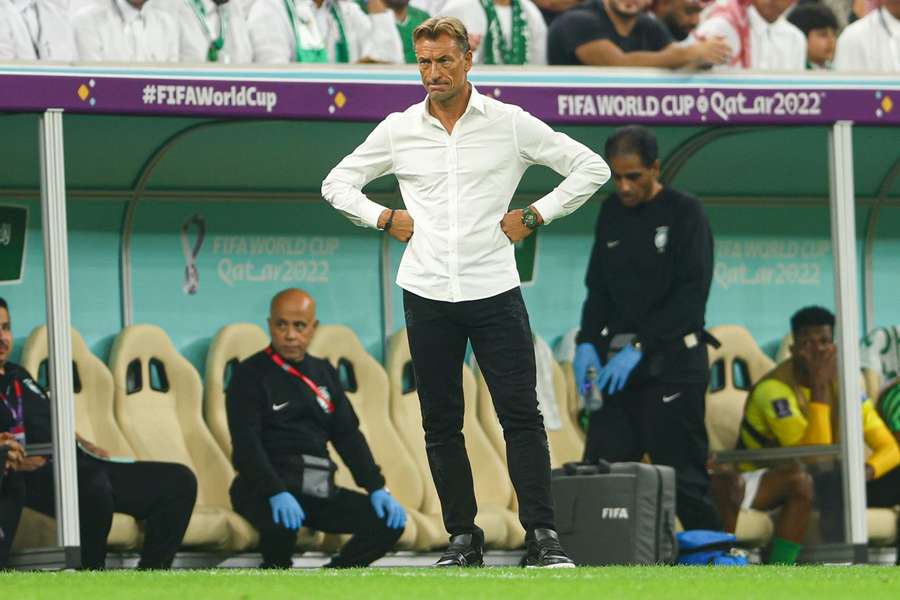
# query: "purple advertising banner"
585,96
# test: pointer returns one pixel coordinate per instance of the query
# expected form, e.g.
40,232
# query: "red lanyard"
18,413
324,401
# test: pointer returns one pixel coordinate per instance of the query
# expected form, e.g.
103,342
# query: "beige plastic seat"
406,416
94,421
734,368
572,403
158,398
566,445
231,344
369,393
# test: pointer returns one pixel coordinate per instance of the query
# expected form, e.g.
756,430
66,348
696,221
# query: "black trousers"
665,421
12,499
347,512
160,494
500,333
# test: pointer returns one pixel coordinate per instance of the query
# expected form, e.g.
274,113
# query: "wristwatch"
530,218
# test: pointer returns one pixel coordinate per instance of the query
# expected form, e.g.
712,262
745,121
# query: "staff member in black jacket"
284,406
642,325
160,494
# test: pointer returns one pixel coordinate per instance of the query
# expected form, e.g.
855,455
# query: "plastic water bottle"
591,398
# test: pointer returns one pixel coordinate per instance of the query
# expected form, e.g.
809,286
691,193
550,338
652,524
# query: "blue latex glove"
614,375
387,508
286,511
585,358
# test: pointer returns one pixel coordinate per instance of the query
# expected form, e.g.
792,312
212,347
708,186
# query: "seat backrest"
232,344
567,442
367,387
94,416
406,415
492,483
734,368
158,397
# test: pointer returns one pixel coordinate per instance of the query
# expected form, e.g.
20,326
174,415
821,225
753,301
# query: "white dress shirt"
432,7
372,36
114,30
472,14
778,46
196,35
870,44
32,30
458,186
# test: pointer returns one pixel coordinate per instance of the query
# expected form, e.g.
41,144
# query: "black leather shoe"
544,551
465,550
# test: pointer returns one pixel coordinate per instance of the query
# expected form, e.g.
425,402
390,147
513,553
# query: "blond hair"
435,27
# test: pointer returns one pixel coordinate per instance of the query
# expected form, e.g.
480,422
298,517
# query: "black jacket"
649,274
36,404
273,415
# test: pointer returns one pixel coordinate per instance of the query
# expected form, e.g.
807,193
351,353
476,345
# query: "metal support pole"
56,278
843,237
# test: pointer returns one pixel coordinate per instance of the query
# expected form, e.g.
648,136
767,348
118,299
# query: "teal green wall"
770,260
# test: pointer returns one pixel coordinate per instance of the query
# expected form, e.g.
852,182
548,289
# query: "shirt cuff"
370,212
549,207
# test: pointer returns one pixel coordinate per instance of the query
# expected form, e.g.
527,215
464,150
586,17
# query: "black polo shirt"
273,415
589,22
650,273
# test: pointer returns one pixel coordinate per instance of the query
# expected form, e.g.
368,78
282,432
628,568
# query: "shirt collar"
476,102
756,20
23,5
128,12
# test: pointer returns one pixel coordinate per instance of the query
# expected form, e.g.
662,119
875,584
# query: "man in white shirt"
35,30
871,43
335,31
756,32
212,31
126,31
458,157
510,32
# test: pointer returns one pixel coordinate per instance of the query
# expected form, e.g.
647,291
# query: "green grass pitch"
613,583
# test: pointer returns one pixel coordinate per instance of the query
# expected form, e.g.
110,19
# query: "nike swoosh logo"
612,244
672,397
279,406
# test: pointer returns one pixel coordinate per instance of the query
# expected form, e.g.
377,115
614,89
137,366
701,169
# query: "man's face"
634,180
681,16
627,9
443,67
820,45
770,10
811,342
6,338
292,323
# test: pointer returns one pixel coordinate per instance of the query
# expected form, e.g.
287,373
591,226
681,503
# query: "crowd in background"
777,35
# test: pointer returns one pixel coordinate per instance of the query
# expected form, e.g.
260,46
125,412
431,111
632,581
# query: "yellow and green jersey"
779,413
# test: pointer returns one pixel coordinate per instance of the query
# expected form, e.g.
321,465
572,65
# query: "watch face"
529,219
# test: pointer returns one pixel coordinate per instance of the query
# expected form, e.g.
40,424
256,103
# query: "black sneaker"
544,551
465,550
